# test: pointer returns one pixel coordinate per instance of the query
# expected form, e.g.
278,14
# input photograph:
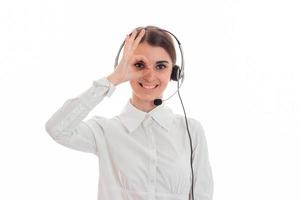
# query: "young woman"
144,152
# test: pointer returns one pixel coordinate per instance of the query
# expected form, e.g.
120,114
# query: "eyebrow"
161,61
157,62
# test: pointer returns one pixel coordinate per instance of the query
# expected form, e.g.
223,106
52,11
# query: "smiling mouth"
148,87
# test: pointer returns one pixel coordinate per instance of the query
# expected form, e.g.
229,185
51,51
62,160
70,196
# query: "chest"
149,154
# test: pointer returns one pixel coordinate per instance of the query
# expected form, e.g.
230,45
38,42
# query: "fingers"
130,39
136,74
139,71
133,40
140,57
139,38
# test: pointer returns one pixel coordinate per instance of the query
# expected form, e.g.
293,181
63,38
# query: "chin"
144,97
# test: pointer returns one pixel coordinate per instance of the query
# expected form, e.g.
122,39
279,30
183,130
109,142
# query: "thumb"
138,74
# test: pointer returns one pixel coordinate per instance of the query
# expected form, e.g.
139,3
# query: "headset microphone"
157,102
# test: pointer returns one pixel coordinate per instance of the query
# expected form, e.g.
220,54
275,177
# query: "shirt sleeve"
203,178
66,125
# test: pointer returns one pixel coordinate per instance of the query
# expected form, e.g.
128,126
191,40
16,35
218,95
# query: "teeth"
148,86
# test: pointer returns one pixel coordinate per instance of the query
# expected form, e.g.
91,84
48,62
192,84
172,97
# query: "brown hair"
156,36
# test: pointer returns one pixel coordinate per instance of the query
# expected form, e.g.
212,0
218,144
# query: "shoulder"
193,123
194,126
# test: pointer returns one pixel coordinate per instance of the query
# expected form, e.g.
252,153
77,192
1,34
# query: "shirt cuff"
105,82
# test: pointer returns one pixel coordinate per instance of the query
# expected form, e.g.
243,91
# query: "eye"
139,65
160,66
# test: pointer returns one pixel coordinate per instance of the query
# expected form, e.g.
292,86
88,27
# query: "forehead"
152,52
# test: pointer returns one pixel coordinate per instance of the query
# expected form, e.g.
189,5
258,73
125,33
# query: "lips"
145,86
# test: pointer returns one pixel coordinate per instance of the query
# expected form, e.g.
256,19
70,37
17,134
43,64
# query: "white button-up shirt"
142,156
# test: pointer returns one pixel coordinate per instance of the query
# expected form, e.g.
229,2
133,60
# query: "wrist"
113,79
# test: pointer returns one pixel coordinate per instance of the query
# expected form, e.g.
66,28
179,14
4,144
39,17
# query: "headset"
177,74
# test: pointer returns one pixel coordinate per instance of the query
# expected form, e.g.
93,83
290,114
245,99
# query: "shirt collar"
132,117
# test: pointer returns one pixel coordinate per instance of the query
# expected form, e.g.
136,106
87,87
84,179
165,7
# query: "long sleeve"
203,185
66,125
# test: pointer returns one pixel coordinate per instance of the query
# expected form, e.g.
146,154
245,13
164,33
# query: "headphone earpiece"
176,73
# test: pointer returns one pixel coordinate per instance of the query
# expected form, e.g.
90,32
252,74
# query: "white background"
242,84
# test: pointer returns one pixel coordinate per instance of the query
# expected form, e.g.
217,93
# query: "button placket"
152,169
152,155
152,166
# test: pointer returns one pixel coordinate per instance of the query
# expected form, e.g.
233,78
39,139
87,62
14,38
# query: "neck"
144,105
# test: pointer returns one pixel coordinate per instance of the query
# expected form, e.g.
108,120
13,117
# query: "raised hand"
125,70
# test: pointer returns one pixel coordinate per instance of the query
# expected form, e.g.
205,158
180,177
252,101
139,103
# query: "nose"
149,74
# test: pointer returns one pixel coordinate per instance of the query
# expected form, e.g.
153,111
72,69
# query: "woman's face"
157,66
